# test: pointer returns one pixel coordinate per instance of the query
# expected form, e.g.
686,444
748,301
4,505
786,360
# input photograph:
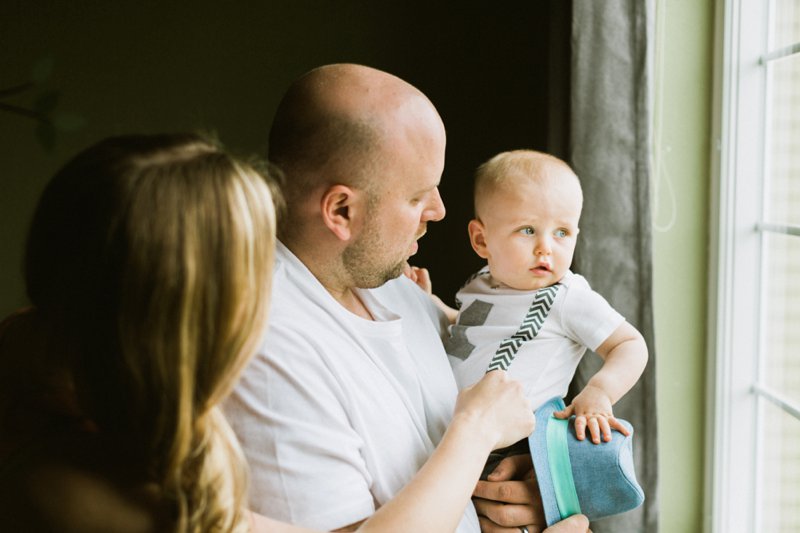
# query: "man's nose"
435,210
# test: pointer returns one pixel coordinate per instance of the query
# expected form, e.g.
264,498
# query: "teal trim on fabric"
561,468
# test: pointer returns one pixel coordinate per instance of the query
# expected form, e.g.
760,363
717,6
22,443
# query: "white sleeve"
588,318
289,412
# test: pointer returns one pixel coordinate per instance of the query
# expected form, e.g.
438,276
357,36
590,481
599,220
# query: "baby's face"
530,231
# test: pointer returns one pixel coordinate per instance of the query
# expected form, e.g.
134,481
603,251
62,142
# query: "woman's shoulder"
71,484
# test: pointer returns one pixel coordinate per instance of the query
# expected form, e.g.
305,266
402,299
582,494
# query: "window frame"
735,320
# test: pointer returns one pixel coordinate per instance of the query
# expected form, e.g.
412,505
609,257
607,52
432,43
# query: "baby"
526,312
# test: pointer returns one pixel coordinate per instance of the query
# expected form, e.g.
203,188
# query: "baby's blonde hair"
507,168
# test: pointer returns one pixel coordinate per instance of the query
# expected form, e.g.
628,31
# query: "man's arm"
303,453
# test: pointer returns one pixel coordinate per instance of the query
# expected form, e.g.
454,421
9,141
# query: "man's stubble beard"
361,263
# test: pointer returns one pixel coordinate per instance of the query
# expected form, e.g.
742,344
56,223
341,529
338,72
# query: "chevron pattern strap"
531,324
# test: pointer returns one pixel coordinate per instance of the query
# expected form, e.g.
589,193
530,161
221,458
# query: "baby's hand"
592,408
420,276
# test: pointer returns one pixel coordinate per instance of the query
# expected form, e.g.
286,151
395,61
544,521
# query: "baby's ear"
477,237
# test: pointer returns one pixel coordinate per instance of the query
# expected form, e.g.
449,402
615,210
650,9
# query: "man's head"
363,153
527,207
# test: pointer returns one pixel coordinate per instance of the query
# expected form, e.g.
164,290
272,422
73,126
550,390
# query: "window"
754,340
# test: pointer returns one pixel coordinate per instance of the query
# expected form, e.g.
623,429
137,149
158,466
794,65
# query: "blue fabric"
604,476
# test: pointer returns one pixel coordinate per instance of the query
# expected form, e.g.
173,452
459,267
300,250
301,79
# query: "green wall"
681,187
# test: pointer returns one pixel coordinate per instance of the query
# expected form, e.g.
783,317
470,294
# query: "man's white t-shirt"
337,413
491,312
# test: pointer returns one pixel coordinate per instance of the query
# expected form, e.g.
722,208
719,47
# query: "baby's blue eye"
560,233
527,230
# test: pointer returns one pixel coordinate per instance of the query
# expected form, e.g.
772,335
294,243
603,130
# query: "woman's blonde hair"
150,257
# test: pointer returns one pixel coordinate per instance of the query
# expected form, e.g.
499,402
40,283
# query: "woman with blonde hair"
148,266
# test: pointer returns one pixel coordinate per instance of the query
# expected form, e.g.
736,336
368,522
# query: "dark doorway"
499,75
497,72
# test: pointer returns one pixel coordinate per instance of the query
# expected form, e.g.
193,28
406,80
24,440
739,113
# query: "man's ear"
477,237
337,210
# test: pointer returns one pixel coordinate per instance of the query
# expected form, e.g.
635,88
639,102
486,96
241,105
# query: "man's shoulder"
294,288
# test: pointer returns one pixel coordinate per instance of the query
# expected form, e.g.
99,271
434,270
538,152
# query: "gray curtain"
609,149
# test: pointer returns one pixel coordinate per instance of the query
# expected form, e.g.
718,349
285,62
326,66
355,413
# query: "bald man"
351,390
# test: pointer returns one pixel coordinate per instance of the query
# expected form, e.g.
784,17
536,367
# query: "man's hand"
510,499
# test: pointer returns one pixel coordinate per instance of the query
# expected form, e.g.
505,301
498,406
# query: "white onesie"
491,312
